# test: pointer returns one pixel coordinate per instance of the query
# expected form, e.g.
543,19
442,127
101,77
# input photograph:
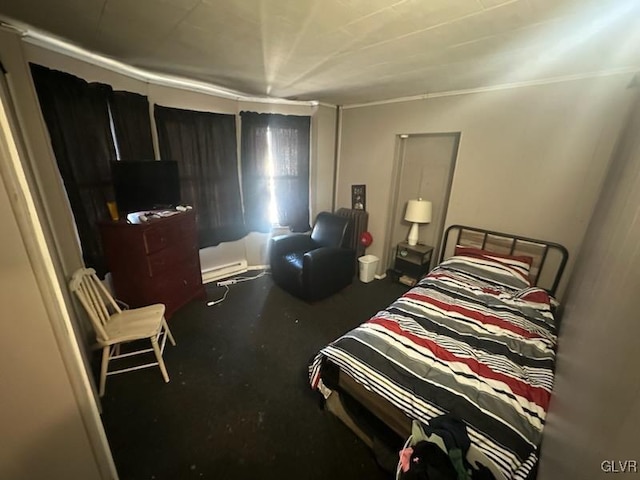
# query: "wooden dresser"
155,261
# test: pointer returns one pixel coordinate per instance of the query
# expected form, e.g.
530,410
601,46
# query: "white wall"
323,164
42,429
595,409
531,159
44,434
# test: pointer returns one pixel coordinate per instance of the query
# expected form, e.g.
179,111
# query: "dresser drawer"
156,238
155,261
170,257
179,285
160,236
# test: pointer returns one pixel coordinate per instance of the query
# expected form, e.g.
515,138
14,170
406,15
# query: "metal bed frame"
549,258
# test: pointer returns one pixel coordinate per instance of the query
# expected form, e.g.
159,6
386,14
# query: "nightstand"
412,262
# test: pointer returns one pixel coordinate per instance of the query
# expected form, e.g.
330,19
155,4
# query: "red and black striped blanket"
472,339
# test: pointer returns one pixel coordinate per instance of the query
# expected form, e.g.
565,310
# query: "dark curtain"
204,145
132,125
275,155
77,117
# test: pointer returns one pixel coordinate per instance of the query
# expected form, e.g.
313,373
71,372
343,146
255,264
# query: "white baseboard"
259,267
224,271
229,270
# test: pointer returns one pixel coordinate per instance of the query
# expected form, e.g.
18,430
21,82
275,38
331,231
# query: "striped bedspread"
472,339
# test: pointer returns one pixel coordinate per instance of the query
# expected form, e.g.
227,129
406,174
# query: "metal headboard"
549,259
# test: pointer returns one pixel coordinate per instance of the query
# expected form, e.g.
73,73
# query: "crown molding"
47,41
325,104
502,86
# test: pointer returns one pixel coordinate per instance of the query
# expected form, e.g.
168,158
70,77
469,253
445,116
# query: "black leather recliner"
314,266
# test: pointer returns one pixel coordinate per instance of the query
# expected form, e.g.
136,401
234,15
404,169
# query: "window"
275,170
77,117
204,145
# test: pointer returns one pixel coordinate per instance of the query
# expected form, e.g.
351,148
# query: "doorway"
32,294
423,168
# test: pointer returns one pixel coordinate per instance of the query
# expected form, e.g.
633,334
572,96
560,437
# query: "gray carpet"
238,405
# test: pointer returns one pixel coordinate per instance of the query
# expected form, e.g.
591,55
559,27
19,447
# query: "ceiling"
349,51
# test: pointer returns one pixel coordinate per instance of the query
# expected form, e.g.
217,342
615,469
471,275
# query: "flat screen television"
145,185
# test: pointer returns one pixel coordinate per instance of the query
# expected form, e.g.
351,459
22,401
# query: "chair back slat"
95,319
90,285
92,301
107,295
95,299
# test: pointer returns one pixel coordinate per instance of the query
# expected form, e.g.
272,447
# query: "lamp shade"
418,211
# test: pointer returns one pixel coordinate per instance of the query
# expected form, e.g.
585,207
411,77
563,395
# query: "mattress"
473,339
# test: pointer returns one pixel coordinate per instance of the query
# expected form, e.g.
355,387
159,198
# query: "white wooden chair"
115,326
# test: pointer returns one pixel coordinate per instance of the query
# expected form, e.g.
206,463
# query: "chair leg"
156,349
168,332
103,369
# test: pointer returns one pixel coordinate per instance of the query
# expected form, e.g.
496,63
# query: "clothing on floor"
438,451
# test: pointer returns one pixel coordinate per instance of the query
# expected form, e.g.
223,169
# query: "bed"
475,338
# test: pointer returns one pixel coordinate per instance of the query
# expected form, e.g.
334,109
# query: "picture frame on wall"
359,197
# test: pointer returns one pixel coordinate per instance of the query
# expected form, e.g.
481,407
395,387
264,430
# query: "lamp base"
412,239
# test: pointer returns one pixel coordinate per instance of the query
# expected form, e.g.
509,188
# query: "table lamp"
418,211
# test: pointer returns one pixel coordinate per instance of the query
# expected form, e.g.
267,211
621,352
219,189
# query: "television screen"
145,185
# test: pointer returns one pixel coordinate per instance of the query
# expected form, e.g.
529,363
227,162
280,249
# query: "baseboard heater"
224,271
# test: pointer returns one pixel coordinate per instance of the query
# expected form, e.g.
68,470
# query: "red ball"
366,239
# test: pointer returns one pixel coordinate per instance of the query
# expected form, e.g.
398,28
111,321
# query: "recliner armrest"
328,254
294,242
